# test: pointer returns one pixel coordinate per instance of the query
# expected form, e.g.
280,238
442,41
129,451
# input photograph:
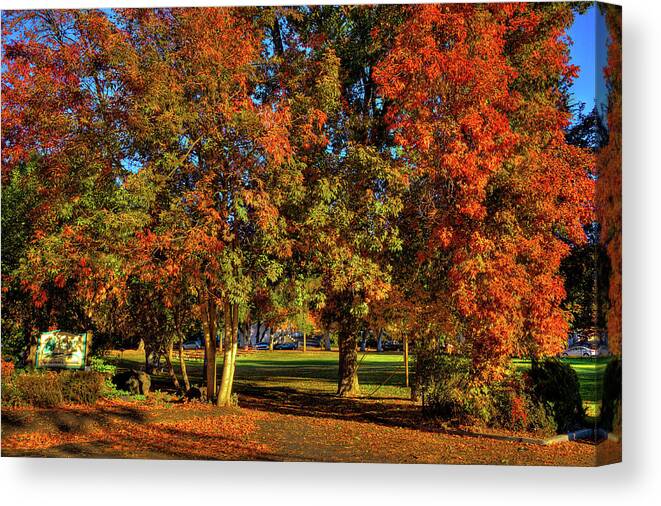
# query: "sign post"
62,350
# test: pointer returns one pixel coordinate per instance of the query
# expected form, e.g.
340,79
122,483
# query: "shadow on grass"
290,401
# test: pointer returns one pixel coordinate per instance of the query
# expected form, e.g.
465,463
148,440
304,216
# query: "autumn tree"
351,181
60,114
218,156
586,268
609,185
477,105
404,167
156,159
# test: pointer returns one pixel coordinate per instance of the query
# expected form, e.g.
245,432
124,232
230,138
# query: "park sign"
62,350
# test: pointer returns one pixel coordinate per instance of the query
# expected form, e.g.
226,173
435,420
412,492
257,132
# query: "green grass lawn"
381,375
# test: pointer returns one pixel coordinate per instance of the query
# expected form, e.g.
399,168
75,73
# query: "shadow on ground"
382,411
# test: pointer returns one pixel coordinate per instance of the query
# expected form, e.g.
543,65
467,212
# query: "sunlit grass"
380,374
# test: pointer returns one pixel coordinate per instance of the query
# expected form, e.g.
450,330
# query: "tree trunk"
379,341
235,342
222,336
247,334
148,368
33,343
223,391
173,375
348,367
209,327
328,341
305,342
182,363
258,337
406,359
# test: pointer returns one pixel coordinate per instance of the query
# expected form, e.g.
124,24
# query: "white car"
579,351
195,344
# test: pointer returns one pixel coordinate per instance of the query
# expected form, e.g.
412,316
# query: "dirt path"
117,429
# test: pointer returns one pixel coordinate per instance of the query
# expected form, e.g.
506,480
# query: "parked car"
262,346
286,346
579,351
392,346
195,344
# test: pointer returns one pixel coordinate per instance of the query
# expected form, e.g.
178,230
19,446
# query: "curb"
560,438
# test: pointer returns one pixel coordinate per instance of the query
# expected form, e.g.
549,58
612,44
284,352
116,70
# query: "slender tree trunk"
33,343
379,341
305,342
348,367
406,359
173,375
209,327
222,399
182,363
247,334
235,342
231,345
204,366
415,384
148,365
271,340
328,340
258,334
221,324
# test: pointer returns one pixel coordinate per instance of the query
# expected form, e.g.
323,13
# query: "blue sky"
590,38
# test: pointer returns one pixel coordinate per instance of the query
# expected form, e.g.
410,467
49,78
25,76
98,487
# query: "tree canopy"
355,167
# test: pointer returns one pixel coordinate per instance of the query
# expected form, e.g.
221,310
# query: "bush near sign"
62,350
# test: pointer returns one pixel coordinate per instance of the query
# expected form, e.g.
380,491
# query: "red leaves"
195,431
59,281
491,146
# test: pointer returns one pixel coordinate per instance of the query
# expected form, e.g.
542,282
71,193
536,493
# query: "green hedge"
611,403
555,385
48,389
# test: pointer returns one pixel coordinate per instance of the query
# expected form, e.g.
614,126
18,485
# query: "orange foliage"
506,188
609,184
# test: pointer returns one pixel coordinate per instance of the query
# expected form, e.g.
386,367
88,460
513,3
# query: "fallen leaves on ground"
201,431
133,430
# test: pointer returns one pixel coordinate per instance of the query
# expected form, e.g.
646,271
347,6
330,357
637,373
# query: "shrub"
555,385
7,368
39,389
514,408
443,382
544,401
82,387
49,389
109,389
611,401
11,395
98,364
